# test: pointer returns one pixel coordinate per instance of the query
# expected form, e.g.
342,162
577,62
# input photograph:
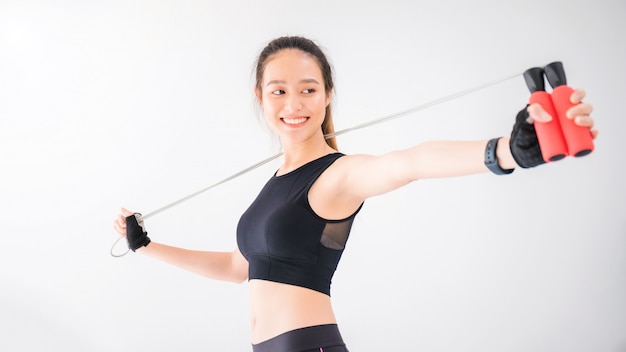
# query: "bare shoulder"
361,176
349,162
331,196
343,168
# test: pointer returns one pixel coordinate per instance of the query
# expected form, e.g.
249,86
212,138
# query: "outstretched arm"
370,176
366,176
225,266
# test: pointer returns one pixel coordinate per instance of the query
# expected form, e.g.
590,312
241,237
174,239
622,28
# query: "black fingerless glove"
524,143
136,234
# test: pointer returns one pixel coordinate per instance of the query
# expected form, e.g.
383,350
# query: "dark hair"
309,47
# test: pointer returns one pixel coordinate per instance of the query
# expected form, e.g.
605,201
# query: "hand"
524,144
120,222
580,113
131,225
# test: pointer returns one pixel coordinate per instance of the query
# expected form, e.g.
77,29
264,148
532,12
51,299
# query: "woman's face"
293,97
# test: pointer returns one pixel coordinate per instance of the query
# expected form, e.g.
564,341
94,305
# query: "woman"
291,238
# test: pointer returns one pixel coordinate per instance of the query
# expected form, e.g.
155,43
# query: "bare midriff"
277,308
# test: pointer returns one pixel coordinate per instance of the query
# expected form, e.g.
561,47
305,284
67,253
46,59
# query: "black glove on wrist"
136,234
524,143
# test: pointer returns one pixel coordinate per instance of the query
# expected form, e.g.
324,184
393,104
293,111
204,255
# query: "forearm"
214,265
440,159
370,176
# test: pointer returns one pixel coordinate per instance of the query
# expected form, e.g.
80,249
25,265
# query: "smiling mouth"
294,121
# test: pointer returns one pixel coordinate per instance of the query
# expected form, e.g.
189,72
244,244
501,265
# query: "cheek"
269,109
269,113
322,103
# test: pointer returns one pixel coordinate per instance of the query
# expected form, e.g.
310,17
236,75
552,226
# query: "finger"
577,96
127,212
584,121
579,109
537,113
119,225
119,229
121,219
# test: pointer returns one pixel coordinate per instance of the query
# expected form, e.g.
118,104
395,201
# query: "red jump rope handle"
549,134
578,138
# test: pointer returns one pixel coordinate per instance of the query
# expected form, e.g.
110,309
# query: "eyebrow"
306,80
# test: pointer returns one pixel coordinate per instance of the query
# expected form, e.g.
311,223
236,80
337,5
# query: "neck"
296,155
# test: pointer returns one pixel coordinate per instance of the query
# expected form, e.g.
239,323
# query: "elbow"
238,274
232,277
238,271
239,279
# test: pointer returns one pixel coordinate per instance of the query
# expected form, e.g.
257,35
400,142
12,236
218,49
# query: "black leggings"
319,338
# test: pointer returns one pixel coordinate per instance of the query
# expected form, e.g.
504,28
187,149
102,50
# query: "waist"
277,308
304,339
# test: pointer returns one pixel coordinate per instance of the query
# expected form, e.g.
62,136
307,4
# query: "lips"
293,121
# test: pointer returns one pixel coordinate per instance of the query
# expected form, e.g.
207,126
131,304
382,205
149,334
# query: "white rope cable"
330,135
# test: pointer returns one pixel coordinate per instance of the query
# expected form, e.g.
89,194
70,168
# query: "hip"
319,338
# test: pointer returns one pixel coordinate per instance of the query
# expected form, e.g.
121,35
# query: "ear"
329,98
257,94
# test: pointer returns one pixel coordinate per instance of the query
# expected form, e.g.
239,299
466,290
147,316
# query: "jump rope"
557,138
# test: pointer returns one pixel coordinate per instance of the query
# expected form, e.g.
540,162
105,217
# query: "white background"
105,104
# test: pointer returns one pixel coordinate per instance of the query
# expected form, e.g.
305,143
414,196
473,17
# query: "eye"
308,91
278,92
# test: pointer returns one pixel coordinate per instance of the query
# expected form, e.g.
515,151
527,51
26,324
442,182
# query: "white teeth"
294,121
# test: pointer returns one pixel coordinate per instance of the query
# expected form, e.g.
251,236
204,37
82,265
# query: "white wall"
106,104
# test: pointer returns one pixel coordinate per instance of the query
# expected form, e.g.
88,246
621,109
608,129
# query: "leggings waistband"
312,338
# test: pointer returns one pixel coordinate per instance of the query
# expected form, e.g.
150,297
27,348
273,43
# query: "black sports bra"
284,240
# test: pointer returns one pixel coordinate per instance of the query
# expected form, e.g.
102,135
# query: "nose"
293,103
